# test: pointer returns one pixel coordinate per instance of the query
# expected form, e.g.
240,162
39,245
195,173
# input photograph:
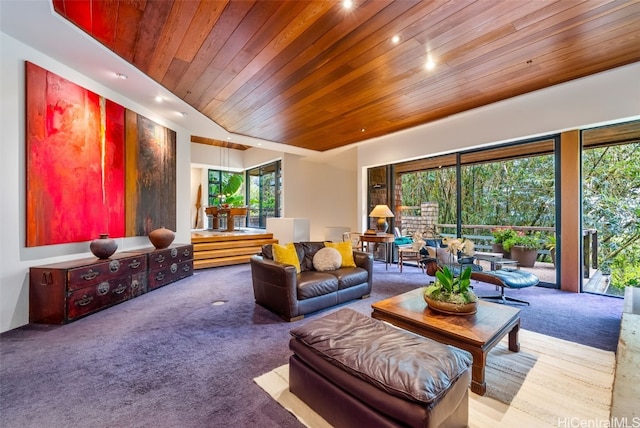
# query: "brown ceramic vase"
161,237
103,247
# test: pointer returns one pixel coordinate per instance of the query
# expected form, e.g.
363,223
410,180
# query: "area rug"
550,382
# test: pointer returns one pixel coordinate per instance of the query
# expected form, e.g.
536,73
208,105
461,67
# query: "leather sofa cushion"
348,277
312,284
398,362
309,250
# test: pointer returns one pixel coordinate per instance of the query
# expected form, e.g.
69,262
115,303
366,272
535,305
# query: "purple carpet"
176,357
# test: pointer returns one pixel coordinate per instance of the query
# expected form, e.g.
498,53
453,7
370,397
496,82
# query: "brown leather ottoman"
357,371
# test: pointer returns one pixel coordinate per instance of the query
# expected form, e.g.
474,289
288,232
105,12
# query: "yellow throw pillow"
346,251
286,254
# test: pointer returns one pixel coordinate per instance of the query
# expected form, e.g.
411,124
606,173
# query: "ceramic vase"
161,237
103,247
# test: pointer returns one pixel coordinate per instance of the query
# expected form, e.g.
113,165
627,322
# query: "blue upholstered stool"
507,279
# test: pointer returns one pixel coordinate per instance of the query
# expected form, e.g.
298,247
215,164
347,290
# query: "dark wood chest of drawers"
169,264
63,292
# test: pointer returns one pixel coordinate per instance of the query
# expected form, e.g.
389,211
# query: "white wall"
15,258
257,156
217,157
325,193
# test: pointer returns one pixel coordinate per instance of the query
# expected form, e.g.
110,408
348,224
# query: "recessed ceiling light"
159,99
122,76
430,65
396,39
229,138
347,4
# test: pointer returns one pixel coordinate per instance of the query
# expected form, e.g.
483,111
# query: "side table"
386,239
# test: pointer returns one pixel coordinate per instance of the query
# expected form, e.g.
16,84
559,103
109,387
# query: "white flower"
455,245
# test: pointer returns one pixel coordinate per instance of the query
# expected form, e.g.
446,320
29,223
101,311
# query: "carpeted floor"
548,381
177,357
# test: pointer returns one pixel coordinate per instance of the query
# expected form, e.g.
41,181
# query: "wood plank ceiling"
316,75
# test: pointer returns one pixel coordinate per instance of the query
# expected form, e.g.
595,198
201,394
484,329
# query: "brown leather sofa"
291,295
357,371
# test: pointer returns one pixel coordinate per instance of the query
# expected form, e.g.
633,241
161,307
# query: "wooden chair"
354,237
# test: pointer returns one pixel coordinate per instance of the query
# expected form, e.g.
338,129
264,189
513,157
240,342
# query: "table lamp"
382,212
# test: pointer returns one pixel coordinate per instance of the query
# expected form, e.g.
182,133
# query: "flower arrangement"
457,246
449,293
451,289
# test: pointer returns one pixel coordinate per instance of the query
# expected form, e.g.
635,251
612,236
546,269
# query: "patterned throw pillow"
286,254
346,251
327,259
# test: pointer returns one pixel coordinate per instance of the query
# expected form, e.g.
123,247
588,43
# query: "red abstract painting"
75,162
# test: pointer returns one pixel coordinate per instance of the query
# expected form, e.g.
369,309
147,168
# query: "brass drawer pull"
159,276
173,268
174,252
135,284
135,264
84,301
186,252
114,266
186,268
121,288
160,258
89,275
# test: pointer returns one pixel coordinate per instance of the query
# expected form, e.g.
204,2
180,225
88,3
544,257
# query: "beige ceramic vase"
451,308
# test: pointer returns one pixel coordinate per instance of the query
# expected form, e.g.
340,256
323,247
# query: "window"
225,188
264,195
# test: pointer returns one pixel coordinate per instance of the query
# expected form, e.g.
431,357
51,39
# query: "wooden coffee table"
476,333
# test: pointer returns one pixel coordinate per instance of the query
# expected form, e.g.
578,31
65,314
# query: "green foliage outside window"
611,205
226,188
521,192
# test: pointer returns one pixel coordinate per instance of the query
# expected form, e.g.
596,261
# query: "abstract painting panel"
150,176
75,163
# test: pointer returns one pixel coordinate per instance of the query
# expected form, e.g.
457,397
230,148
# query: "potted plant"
523,248
450,294
501,234
551,246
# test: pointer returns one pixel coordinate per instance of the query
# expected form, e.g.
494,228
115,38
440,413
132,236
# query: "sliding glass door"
472,193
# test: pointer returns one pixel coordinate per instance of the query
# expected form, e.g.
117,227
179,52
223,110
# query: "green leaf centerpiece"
452,294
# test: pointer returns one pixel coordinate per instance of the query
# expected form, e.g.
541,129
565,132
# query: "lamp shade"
381,211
